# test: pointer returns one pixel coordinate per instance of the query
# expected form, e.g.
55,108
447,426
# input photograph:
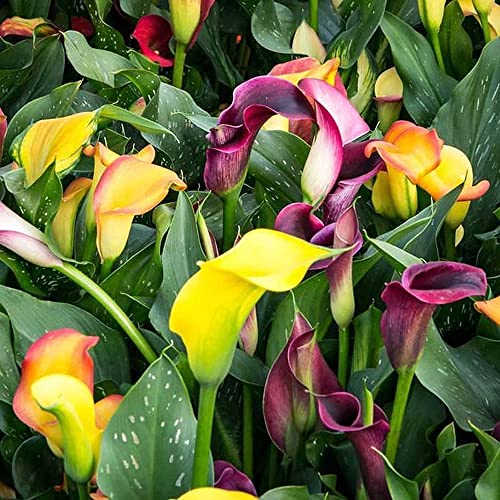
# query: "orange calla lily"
409,152
490,308
55,397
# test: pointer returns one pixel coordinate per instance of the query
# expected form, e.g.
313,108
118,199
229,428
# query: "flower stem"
247,431
83,491
343,355
206,410
434,39
483,18
229,208
314,14
180,59
449,243
405,378
111,306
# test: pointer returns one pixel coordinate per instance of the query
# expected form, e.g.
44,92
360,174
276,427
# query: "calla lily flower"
341,412
3,131
153,34
389,97
409,152
54,397
228,477
25,240
306,41
431,13
216,494
490,308
257,100
453,170
187,17
63,225
493,14
83,25
299,373
57,141
128,187
263,260
20,26
411,303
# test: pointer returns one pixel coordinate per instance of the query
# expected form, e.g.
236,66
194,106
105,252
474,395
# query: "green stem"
206,410
343,355
83,491
405,378
449,243
111,306
483,18
273,467
247,431
180,59
229,210
106,267
314,14
436,45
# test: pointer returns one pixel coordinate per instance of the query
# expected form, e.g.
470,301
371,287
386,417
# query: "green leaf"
464,490
135,8
367,339
181,252
361,88
8,369
145,81
273,26
54,105
461,462
400,488
185,145
148,446
398,258
364,19
489,444
464,378
446,441
287,493
248,369
470,121
426,87
30,8
96,64
488,486
31,318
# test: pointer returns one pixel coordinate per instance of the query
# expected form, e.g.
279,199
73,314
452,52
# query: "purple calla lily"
298,373
25,240
228,477
341,412
410,304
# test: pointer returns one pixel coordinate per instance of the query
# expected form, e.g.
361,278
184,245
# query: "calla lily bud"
431,13
483,6
63,225
187,18
307,42
263,260
3,131
389,98
23,27
486,9
228,477
249,335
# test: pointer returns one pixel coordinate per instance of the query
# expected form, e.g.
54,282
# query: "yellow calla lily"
306,41
389,97
224,291
431,13
63,225
57,141
493,13
215,494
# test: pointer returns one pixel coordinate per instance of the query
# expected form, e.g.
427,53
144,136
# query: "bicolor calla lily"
306,41
57,141
411,303
490,308
228,477
454,169
263,260
342,412
389,97
63,224
153,33
216,494
21,26
492,13
187,17
130,186
257,100
297,375
25,240
3,131
54,397
409,152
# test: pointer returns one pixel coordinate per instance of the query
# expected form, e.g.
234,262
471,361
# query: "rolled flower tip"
489,308
306,41
228,477
389,86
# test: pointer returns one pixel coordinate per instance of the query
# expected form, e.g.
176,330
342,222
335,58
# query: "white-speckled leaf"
148,447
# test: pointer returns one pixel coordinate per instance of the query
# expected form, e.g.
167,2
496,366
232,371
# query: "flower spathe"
153,33
411,303
21,26
216,494
228,477
54,397
263,260
130,186
25,240
306,41
431,13
469,9
187,17
388,97
490,308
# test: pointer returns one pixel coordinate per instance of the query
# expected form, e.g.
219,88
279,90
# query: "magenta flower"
228,477
341,412
298,373
153,34
410,304
83,25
